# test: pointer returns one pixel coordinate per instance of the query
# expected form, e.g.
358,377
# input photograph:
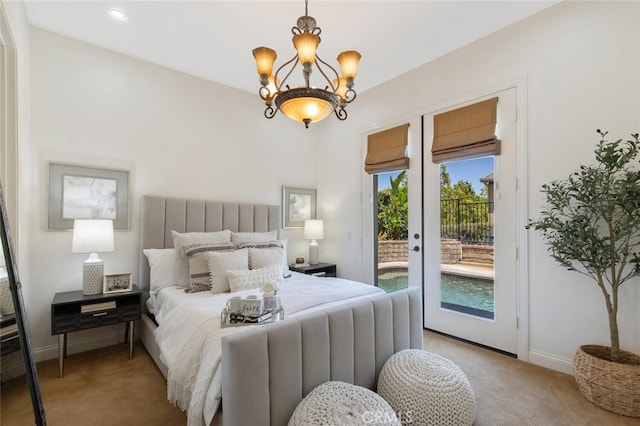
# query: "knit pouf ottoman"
339,403
426,389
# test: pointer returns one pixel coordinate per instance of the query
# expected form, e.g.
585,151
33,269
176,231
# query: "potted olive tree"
591,224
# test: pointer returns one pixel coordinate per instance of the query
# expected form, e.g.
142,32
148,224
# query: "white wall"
579,77
94,107
179,136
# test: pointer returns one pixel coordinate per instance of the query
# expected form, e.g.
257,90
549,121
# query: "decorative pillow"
161,268
191,240
199,278
262,244
261,257
254,278
253,237
221,262
286,273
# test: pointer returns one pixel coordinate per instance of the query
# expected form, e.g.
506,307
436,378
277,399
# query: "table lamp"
92,236
314,230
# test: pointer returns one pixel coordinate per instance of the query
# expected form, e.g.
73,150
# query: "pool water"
393,280
457,292
465,291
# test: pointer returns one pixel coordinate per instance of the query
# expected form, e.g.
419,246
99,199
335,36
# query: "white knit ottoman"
427,389
342,404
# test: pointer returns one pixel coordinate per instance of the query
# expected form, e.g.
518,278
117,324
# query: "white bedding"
189,334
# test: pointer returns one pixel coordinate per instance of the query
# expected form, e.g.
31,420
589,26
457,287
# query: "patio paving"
472,270
465,269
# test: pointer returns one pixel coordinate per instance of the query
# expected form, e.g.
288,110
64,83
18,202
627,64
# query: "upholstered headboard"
161,215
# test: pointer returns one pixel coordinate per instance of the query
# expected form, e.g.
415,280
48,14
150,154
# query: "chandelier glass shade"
306,104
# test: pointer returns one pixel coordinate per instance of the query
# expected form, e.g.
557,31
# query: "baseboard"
553,362
13,365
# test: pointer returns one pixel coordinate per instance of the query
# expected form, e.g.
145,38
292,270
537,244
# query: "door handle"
416,248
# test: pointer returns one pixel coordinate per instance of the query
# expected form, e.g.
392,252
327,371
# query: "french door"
498,327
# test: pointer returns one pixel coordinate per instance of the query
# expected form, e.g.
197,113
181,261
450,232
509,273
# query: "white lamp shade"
92,236
313,229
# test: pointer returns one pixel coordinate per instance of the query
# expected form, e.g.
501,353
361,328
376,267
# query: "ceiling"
214,39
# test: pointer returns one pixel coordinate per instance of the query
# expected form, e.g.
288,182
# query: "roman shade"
387,150
466,132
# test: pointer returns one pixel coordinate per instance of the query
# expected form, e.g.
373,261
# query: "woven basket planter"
614,386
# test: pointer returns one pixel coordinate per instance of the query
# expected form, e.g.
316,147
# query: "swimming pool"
393,279
463,294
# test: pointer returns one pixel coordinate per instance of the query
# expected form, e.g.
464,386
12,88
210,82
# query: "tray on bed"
228,319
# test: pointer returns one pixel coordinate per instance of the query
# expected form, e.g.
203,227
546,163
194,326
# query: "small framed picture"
298,204
117,283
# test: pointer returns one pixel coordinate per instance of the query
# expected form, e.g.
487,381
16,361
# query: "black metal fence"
470,223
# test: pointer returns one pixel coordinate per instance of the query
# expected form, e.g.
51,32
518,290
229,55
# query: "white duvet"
189,336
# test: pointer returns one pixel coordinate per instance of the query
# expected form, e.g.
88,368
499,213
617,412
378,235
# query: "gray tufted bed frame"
266,371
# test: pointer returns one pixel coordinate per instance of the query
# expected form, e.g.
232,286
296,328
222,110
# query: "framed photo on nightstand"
117,283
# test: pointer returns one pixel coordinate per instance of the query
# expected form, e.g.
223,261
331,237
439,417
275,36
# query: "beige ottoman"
342,404
426,389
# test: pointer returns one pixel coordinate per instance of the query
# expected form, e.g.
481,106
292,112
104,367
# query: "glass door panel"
392,216
466,236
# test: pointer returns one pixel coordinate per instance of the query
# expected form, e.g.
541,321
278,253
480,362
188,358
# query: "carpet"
105,388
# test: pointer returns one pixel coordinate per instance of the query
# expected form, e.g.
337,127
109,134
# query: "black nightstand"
319,270
73,311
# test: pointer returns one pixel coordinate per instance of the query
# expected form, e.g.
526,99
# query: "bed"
265,370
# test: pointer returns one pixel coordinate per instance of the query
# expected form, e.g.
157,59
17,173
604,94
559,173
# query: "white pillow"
161,268
254,278
190,240
286,273
221,262
261,257
253,237
199,278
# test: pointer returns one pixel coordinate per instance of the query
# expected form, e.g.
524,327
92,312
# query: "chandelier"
306,104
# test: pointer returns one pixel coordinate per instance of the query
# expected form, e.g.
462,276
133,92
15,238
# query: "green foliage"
393,209
463,212
462,189
591,222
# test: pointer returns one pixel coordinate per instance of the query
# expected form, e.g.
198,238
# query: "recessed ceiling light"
118,14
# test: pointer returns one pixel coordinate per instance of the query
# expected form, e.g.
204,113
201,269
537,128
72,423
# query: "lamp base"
314,253
92,277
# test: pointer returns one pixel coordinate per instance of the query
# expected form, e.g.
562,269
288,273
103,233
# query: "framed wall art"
77,192
298,205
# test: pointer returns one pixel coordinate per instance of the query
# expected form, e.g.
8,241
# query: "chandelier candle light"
314,230
306,104
92,236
